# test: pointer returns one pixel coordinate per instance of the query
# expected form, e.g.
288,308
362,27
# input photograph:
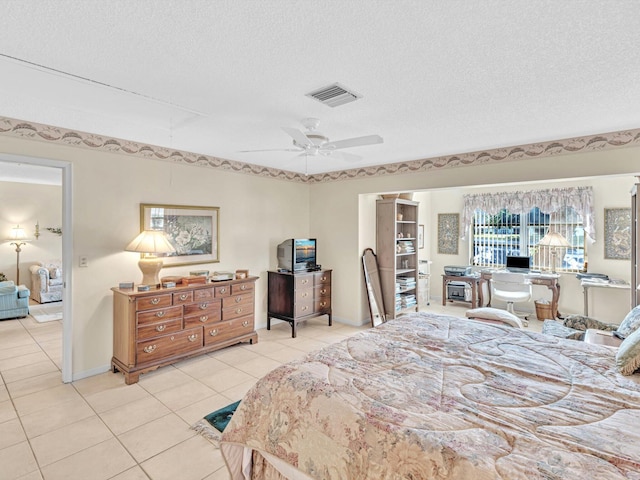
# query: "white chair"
510,287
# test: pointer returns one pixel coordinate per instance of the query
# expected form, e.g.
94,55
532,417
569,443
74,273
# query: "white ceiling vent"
334,95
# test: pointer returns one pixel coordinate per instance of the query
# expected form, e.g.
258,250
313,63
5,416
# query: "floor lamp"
18,239
554,241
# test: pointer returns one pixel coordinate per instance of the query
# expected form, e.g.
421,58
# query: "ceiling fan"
313,143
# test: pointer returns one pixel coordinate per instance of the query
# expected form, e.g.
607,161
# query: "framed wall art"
448,233
617,233
193,231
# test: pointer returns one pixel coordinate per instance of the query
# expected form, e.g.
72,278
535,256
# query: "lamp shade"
150,241
18,235
554,239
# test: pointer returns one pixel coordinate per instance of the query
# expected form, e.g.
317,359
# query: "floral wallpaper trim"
47,133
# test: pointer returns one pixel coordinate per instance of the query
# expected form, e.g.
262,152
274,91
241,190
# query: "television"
297,255
518,263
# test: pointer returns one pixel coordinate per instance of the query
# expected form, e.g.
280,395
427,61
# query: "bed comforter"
437,397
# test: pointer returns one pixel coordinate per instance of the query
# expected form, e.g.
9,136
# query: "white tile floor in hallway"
100,428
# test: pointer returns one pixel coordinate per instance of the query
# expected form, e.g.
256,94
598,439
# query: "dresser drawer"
223,291
303,281
205,306
165,346
322,304
235,311
151,330
243,299
203,294
159,314
183,297
203,318
229,329
156,301
241,288
303,294
303,308
322,278
323,291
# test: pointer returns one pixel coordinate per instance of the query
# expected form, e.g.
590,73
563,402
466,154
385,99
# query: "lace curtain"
548,201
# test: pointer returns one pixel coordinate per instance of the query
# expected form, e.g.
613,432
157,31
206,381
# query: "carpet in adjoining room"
47,312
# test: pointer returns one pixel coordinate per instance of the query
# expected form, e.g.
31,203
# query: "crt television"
518,263
297,254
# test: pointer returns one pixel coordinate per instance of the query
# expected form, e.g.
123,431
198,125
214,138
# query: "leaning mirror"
373,286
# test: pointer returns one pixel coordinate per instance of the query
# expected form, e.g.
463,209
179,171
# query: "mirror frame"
374,288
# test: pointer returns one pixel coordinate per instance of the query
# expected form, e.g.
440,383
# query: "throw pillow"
54,272
630,323
488,313
628,356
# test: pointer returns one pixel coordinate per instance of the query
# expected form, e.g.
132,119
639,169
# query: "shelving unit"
397,252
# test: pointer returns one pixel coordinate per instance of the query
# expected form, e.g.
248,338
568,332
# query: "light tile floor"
99,428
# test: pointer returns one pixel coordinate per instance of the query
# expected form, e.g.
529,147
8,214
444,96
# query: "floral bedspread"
437,397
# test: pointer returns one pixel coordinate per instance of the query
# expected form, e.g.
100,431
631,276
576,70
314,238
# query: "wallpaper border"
46,133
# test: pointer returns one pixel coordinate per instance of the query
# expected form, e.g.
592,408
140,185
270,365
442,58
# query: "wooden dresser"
156,328
296,297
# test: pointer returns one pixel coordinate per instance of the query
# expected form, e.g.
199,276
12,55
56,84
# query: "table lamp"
149,243
554,240
18,238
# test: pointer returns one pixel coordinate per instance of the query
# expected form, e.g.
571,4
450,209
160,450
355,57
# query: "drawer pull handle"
155,301
203,306
243,287
239,310
204,318
245,323
160,328
305,294
223,289
193,338
323,304
150,348
323,279
160,314
238,299
305,308
323,291
305,281
184,296
213,333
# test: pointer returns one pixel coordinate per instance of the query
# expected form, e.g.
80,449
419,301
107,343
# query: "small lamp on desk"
149,243
554,241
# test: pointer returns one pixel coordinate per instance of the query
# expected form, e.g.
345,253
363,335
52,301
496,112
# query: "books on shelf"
405,246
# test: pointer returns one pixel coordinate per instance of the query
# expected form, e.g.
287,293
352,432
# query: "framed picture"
420,236
193,231
448,233
617,233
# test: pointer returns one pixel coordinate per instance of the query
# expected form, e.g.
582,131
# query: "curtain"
548,201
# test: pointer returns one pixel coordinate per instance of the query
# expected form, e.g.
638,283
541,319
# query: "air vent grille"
334,95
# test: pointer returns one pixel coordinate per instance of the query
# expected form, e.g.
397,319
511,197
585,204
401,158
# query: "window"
494,237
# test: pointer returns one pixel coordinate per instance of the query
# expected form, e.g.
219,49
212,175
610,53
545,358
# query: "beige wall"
256,214
26,204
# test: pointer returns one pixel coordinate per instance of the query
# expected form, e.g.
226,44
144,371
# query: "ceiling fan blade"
299,137
353,142
349,157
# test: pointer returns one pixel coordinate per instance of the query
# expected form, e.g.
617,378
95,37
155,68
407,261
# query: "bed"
438,397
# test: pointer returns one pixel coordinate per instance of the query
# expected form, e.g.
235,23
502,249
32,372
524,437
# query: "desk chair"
511,287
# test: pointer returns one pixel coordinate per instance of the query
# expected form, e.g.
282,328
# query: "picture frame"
617,233
420,236
194,231
448,233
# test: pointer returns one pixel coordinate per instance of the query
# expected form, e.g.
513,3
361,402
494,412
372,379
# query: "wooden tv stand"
296,297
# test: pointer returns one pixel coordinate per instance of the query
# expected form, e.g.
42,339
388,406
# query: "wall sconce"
18,238
37,232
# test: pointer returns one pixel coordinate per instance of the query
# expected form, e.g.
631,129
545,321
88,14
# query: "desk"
549,280
473,280
587,284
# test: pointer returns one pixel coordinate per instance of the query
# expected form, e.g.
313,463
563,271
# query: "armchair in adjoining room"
46,281
14,300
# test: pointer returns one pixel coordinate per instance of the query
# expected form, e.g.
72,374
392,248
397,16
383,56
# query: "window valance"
548,201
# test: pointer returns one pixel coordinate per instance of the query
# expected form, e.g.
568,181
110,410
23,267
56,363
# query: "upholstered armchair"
14,300
46,281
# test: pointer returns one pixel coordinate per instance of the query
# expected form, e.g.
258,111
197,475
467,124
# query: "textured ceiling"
221,76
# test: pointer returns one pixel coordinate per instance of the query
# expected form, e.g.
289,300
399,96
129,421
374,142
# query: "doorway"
65,170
